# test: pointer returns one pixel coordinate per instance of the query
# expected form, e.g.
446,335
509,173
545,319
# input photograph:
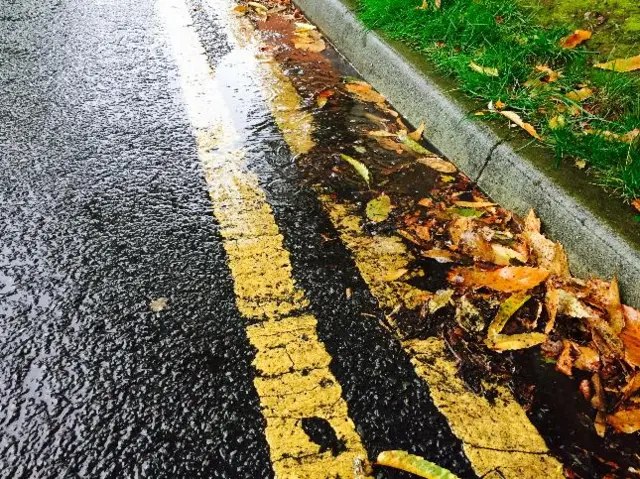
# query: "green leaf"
413,145
378,209
467,212
414,464
359,167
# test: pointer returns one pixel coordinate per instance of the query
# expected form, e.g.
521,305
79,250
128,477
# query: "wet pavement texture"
104,208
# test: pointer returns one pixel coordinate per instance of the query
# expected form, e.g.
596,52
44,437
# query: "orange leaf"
627,421
364,92
575,39
507,279
621,64
636,204
630,335
514,117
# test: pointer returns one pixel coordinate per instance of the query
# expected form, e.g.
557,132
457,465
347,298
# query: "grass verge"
591,130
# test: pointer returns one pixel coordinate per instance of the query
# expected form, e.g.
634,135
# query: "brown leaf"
423,232
507,279
614,307
438,164
389,144
621,64
564,364
575,39
630,136
515,118
417,134
474,204
364,92
308,39
551,303
426,202
532,222
626,421
549,255
630,335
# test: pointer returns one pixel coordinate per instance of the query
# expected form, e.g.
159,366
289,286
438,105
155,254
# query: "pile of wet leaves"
494,285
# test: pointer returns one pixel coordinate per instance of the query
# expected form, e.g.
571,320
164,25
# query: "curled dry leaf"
549,255
575,39
417,465
360,168
417,134
438,164
423,232
621,64
507,279
389,144
515,118
364,92
614,307
488,71
532,222
378,209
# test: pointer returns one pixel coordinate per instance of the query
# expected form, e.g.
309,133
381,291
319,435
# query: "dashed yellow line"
498,438
293,378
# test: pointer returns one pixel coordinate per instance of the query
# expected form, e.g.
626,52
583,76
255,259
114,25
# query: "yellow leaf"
382,133
413,464
440,299
499,105
395,275
488,71
507,309
625,421
621,64
416,135
438,164
575,39
309,40
240,10
323,97
424,6
413,145
515,118
579,95
513,342
359,167
550,76
557,122
474,204
378,209
447,179
503,255
580,164
630,136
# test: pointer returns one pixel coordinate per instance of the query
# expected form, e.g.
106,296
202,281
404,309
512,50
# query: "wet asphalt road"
103,208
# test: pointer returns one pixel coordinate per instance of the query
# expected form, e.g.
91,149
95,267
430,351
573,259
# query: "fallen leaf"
600,423
323,97
389,144
362,170
447,178
630,335
303,27
240,10
513,342
632,386
258,6
532,222
549,255
413,145
440,255
466,212
614,307
440,299
360,149
575,39
309,40
395,275
621,64
158,304
382,134
417,134
636,204
630,136
426,202
551,303
438,164
364,92
515,118
507,309
580,164
378,209
506,279
557,122
550,76
626,421
580,95
348,293
564,363
424,6
488,71
473,204
413,464
499,105
503,255
570,305
423,232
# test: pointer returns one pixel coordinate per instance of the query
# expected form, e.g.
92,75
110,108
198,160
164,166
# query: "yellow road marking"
498,438
293,378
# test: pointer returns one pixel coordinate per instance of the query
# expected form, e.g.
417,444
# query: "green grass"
507,36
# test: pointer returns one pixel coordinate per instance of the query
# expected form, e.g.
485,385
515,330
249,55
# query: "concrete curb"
517,179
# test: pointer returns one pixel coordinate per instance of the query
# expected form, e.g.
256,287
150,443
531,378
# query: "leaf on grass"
621,64
424,6
557,122
488,71
412,144
499,105
438,164
417,134
323,97
417,465
580,95
507,309
630,136
550,76
626,421
395,275
362,170
580,164
364,92
378,209
515,118
507,279
513,342
575,39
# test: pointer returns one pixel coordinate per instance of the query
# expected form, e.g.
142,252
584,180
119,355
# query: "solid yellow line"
293,378
498,438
